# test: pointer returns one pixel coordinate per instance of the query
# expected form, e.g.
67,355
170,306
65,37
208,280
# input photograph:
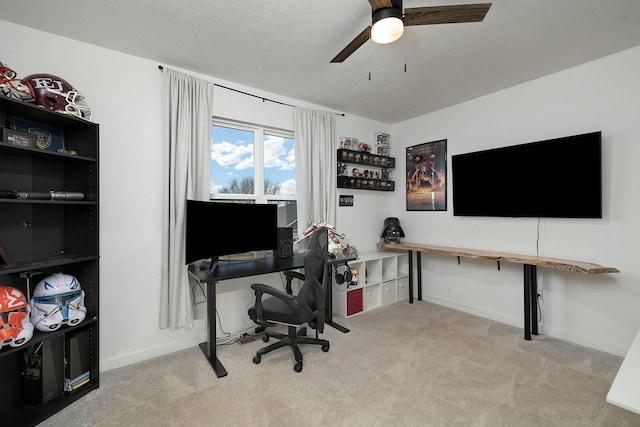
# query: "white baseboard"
149,353
477,311
550,331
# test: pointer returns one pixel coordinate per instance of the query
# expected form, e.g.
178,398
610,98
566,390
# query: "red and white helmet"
58,299
14,88
15,328
55,93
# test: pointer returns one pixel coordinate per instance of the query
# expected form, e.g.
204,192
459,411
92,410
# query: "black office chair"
307,307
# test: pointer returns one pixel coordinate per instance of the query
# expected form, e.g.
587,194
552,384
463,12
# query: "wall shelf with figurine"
365,171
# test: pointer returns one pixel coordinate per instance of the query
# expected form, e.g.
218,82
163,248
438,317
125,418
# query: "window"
254,164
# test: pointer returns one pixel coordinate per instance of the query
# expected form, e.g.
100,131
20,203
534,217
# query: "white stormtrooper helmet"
57,299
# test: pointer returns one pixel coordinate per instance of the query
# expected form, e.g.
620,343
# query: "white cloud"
276,154
288,187
238,155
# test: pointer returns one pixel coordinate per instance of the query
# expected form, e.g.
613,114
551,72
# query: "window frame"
259,132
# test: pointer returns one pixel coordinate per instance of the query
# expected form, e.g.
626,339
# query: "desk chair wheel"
257,359
325,347
265,338
298,366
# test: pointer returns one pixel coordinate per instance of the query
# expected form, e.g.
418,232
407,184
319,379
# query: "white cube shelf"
383,278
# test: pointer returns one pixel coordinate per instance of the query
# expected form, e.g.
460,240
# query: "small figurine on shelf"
364,147
392,231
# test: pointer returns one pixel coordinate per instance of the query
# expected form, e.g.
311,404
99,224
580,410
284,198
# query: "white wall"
599,311
126,95
363,222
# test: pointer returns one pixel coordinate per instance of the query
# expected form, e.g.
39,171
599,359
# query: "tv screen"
556,178
217,229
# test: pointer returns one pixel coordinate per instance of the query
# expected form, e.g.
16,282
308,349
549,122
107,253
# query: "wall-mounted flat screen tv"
556,178
216,229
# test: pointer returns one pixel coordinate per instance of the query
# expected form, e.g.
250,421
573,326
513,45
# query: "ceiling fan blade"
379,4
445,14
353,46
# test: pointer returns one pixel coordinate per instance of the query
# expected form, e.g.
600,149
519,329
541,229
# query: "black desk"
245,268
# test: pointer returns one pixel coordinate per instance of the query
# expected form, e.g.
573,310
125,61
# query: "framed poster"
427,176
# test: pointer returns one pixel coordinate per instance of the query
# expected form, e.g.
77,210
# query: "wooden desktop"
529,262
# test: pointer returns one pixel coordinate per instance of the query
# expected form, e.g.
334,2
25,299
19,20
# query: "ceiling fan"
389,20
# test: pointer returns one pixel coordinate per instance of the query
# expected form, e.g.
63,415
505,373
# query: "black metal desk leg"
209,347
533,295
419,268
527,303
337,326
410,277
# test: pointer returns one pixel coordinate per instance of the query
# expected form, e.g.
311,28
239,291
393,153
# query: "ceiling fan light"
387,25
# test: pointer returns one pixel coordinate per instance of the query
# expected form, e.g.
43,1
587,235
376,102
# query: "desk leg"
410,277
533,298
209,347
328,314
530,301
337,326
419,268
527,303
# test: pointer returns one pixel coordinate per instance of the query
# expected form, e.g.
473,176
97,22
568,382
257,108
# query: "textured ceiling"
285,46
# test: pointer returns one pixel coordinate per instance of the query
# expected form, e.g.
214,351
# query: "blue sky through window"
233,156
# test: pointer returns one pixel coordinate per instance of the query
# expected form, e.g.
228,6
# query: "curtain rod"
160,67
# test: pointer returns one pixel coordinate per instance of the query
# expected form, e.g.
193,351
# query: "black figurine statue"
392,231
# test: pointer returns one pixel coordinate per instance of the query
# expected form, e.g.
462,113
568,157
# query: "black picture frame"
345,200
48,138
426,177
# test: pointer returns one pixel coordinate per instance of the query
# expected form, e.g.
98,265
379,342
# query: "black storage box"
43,371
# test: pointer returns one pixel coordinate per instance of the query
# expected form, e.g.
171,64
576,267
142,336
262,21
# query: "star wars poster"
427,176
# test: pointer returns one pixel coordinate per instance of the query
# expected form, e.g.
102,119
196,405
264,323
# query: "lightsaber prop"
51,195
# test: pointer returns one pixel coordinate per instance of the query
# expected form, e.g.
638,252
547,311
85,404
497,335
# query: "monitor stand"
213,264
208,266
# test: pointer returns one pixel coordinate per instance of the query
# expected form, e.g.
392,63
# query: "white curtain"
316,144
190,109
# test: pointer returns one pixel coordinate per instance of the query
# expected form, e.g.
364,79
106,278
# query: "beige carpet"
402,365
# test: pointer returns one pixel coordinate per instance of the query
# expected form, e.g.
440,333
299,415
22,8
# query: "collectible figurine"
392,231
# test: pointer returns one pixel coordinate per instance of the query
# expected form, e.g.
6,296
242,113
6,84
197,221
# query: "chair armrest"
290,275
261,288
294,275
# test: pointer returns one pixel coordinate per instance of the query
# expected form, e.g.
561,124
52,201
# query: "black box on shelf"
77,361
10,380
17,138
43,371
